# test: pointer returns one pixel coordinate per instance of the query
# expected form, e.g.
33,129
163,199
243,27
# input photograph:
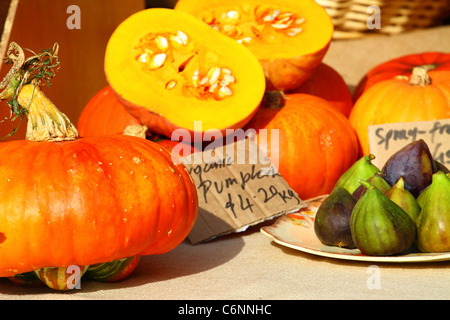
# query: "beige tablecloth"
249,265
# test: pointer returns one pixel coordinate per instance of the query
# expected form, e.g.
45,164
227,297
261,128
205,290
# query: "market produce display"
99,195
70,202
406,210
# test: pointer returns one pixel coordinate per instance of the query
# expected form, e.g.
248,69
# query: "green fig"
433,221
403,198
362,169
332,221
377,181
414,163
379,226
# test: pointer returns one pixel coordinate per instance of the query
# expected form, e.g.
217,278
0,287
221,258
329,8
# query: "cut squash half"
172,71
289,37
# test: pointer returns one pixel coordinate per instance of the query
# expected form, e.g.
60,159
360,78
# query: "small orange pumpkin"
316,142
402,66
423,96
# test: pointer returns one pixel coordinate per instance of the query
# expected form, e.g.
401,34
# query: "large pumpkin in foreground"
82,201
316,142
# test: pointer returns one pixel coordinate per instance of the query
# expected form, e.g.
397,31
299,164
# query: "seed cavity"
155,51
233,24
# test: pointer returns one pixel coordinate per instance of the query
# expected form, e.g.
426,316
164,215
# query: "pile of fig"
402,208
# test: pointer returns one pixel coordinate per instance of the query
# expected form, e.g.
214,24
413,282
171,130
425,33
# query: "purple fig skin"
332,221
414,163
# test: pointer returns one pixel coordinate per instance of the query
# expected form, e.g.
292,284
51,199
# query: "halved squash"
170,70
289,37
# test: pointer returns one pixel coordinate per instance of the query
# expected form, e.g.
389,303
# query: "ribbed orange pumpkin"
82,201
424,96
316,142
402,66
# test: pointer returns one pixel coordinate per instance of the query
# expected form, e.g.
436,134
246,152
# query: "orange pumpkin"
289,37
328,84
316,142
424,96
92,200
402,66
69,201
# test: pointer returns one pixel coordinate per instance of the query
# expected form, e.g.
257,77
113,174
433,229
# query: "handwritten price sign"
386,139
234,195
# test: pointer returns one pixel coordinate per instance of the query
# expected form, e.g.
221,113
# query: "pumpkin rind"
396,100
171,94
90,200
289,37
316,143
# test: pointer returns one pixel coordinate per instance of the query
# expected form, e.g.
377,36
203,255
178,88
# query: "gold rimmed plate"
296,231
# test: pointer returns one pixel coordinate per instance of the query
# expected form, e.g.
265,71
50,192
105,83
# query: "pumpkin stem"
419,77
136,130
273,99
22,89
45,122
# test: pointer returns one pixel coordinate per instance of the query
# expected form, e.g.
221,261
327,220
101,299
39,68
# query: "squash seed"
195,78
213,75
162,43
223,92
233,14
143,57
280,26
180,38
171,84
299,20
157,60
295,31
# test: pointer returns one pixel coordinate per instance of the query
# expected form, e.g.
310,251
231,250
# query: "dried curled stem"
16,57
23,89
39,67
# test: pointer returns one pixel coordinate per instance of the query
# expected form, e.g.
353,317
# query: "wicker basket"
350,17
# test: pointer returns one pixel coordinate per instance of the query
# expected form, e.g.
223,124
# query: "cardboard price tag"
386,139
234,192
